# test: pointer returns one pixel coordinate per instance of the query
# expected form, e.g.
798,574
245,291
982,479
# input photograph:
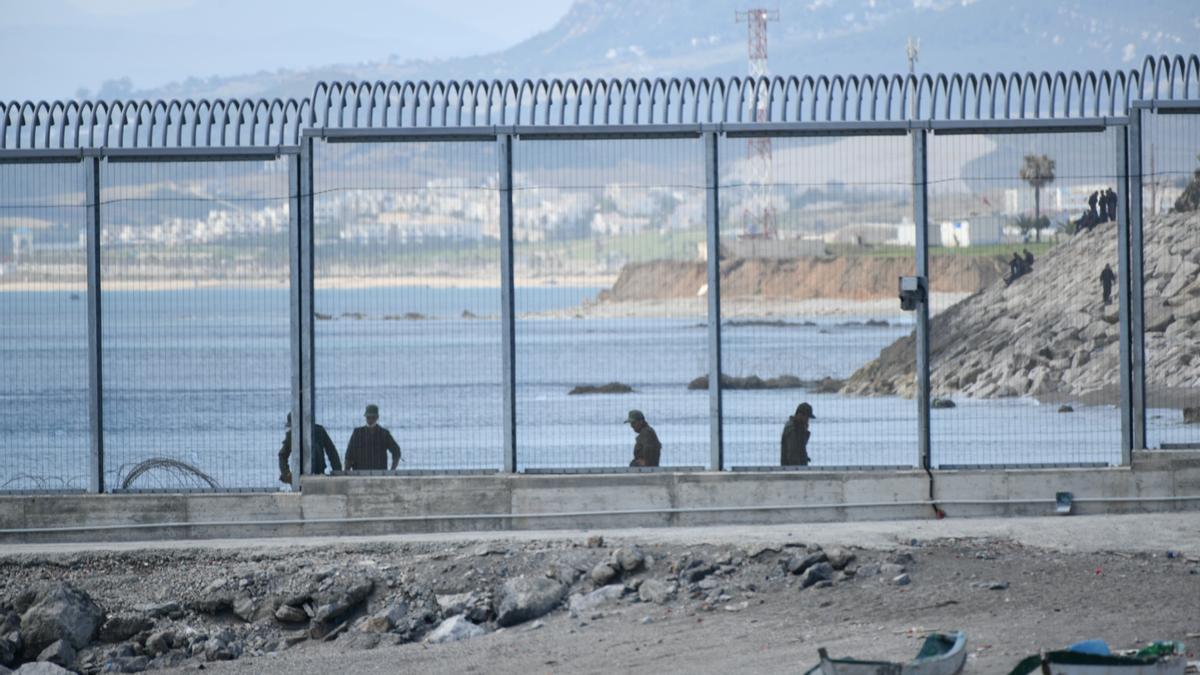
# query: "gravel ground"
1015,586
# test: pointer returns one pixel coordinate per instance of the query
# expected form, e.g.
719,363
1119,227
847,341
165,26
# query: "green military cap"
805,410
372,411
635,416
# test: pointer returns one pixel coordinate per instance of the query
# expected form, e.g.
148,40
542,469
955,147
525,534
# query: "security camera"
912,292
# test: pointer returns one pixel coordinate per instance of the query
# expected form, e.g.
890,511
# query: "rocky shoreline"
1049,335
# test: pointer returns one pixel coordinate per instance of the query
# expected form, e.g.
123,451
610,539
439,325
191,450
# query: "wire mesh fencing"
407,301
1171,278
1025,349
44,423
610,303
196,323
814,233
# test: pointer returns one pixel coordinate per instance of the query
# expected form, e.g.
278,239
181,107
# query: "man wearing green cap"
369,444
793,447
323,442
646,449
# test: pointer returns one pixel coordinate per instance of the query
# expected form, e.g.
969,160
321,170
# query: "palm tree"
1038,171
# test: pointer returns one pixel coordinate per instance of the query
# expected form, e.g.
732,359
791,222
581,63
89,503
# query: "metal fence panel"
815,233
407,299
1025,349
194,266
43,328
610,291
1171,279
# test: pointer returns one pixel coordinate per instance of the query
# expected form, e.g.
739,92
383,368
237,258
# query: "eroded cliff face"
850,278
1049,334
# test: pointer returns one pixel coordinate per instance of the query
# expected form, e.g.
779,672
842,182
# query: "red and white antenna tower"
758,214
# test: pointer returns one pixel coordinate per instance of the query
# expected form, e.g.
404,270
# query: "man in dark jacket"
369,445
793,446
1110,198
1107,279
646,449
323,442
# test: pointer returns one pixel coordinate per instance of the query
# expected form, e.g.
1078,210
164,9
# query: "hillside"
631,39
1050,336
845,277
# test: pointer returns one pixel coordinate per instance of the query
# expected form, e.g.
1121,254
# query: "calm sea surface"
203,376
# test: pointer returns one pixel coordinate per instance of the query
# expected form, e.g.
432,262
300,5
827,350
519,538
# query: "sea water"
203,376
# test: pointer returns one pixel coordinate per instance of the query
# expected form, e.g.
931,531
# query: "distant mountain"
634,38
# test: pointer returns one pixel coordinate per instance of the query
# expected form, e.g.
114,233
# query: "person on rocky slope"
1107,279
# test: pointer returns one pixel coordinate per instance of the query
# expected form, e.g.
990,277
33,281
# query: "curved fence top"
225,123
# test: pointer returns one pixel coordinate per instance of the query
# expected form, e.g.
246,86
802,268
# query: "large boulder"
454,629
59,612
41,668
657,591
526,598
581,603
339,600
121,627
60,653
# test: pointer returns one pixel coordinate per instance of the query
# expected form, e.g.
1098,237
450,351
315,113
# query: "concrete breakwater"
1049,334
846,277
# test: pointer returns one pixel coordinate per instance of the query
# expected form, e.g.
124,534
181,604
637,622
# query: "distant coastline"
338,283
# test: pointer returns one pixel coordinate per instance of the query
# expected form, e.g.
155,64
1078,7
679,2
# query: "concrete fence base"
351,505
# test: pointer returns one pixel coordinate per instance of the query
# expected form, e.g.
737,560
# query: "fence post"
504,148
712,203
1125,308
304,454
95,350
920,221
295,206
1137,336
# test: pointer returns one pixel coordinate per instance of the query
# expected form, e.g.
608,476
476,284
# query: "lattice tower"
758,215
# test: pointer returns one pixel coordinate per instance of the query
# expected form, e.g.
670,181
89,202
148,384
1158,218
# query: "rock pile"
225,607
1049,335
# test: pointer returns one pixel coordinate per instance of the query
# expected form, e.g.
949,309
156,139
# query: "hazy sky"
51,48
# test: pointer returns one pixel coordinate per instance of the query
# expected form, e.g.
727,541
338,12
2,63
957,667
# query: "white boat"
941,654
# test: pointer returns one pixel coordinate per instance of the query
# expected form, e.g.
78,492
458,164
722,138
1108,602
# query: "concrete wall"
396,504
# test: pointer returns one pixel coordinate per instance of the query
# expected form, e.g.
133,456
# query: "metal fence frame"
1047,117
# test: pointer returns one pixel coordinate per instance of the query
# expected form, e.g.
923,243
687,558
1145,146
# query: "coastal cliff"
845,277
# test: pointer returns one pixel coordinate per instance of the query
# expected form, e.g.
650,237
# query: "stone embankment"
847,277
1049,334
151,610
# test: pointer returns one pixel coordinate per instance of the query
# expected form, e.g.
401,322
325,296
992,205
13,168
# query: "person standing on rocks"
1028,258
1095,197
1107,278
369,444
1016,267
1110,198
793,446
646,449
323,442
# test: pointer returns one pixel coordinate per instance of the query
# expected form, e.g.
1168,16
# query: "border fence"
728,200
